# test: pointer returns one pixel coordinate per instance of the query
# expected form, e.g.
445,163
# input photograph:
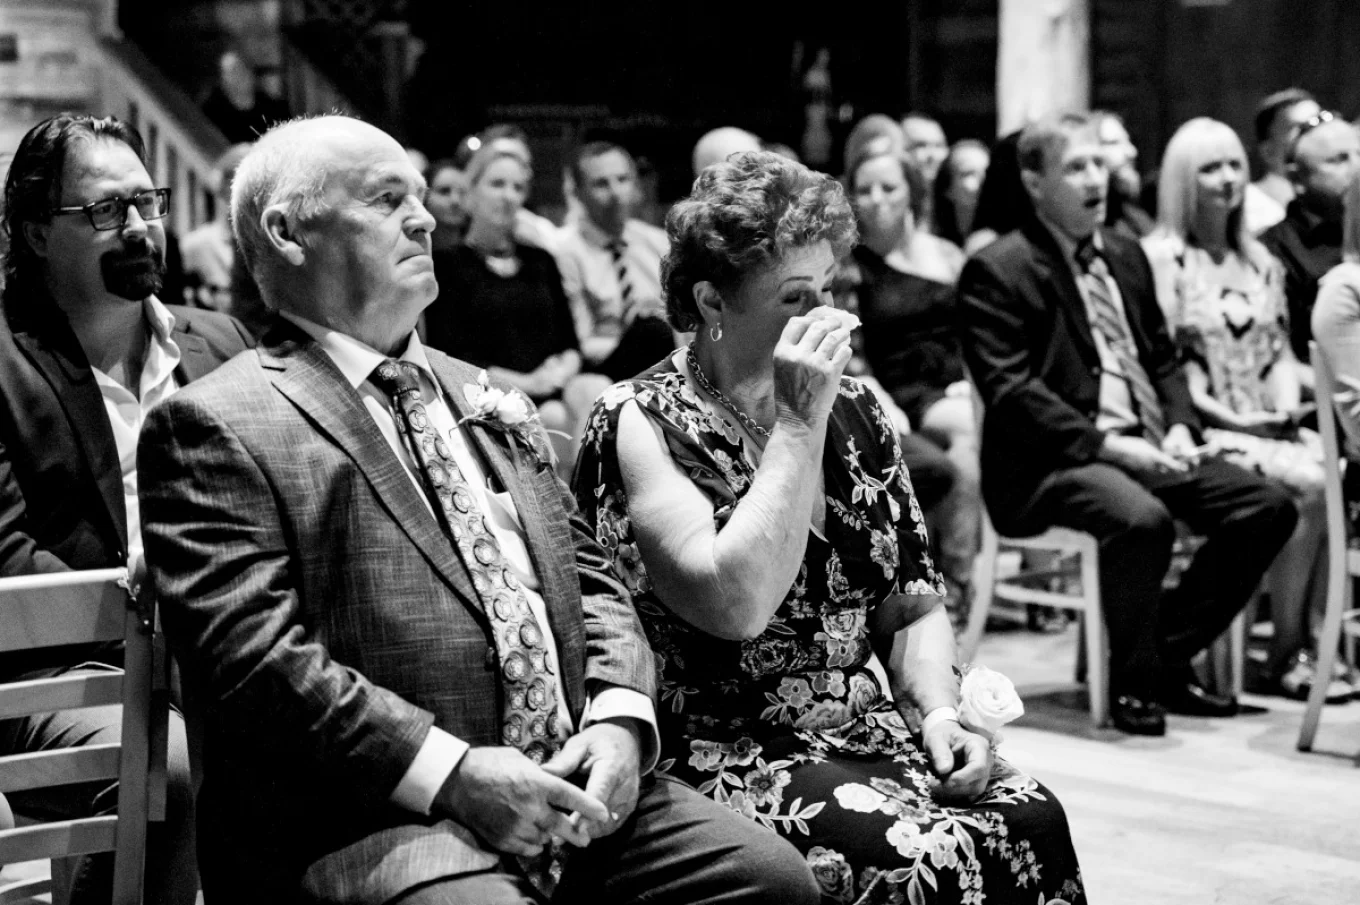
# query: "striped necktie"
1109,320
616,249
529,719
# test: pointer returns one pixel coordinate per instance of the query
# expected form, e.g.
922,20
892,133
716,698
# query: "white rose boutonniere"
507,411
987,701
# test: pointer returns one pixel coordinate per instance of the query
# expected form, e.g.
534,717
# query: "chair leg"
1338,601
1097,651
63,878
984,579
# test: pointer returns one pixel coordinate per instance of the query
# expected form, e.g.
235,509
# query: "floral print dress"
791,728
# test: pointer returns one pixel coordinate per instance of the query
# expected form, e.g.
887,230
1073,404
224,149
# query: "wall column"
1043,59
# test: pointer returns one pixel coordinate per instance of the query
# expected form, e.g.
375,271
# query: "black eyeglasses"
111,213
1322,117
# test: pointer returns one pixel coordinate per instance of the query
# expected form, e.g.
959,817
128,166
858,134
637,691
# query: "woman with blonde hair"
1223,295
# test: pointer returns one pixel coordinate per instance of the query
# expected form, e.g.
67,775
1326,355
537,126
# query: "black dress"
791,728
513,322
911,342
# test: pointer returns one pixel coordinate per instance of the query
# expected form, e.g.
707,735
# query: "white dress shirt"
441,752
127,411
592,282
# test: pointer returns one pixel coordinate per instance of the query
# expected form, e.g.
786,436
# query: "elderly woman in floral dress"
755,502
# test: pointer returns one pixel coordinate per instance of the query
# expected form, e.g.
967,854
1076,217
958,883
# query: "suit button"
1095,372
490,656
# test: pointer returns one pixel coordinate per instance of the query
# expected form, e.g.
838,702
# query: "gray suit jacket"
325,621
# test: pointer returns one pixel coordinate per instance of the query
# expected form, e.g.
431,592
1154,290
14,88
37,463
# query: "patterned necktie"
616,249
1108,320
529,720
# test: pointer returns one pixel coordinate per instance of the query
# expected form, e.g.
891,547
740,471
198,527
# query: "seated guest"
1223,296
911,346
1336,321
1122,212
1323,157
208,250
530,228
237,105
1090,425
1277,121
447,203
611,267
957,189
718,144
501,305
1003,204
87,350
755,503
927,147
400,629
874,134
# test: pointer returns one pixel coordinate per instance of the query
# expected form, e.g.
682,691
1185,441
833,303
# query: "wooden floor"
1218,811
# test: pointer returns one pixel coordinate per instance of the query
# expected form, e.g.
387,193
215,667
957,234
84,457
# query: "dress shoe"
1138,716
1189,698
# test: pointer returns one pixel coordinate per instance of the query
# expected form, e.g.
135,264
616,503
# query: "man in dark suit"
421,682
86,350
1089,424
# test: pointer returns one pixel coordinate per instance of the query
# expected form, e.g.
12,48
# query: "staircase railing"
182,144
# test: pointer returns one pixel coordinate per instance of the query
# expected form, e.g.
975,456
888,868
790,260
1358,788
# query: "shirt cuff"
614,702
436,759
936,716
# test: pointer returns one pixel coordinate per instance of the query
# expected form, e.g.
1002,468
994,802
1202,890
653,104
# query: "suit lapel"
1055,279
57,355
315,385
194,358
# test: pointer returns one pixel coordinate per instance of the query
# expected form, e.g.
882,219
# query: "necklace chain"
700,378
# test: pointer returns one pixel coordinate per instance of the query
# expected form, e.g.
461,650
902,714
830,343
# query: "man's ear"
35,234
1030,180
282,235
709,302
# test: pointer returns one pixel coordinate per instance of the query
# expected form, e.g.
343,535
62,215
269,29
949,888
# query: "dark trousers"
678,848
1244,519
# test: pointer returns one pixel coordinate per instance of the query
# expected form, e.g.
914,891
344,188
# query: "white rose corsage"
987,701
509,412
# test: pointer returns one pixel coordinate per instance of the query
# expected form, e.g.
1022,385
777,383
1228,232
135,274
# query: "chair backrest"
73,608
1324,387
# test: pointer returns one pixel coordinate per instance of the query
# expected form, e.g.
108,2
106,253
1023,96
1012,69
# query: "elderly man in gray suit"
417,678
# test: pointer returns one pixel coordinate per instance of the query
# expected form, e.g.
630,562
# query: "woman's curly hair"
743,214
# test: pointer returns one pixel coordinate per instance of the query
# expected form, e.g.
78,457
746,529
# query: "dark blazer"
327,621
1028,345
61,486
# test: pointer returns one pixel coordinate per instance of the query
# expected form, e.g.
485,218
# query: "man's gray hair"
282,168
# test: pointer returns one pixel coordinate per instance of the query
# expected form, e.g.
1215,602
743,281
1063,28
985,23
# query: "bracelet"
936,716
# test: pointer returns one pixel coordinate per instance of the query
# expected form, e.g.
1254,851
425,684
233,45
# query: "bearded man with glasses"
85,352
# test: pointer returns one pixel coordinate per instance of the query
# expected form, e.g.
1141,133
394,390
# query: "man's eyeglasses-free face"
111,213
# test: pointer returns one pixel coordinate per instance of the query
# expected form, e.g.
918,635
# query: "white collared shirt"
127,411
591,280
441,751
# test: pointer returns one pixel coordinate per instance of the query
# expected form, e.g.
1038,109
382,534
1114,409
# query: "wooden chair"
40,611
1343,563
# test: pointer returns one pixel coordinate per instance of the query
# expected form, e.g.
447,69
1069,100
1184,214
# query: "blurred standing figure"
1323,157
611,268
1278,118
446,200
957,189
1223,295
208,251
237,105
928,148
1122,212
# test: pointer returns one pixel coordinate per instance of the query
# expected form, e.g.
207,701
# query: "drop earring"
715,332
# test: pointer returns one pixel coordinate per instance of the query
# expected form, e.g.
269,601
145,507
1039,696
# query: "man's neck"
1066,240
113,335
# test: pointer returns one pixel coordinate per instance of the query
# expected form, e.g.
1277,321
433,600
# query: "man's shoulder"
650,236
210,324
235,383
1007,257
